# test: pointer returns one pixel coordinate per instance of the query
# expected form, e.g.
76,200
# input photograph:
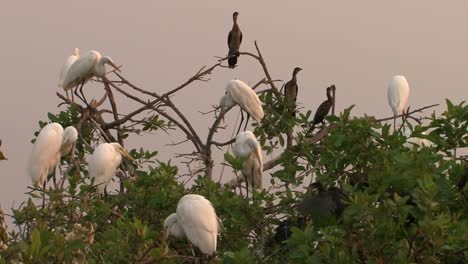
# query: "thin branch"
406,114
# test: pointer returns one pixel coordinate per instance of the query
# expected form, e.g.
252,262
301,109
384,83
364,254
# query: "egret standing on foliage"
238,92
66,68
398,93
51,144
103,163
234,41
90,65
247,146
195,219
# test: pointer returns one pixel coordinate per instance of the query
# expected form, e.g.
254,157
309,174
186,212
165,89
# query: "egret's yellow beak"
115,66
125,154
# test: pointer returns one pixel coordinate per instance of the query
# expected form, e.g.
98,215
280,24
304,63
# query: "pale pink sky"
357,45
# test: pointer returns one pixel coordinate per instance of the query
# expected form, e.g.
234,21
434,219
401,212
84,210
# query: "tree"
401,204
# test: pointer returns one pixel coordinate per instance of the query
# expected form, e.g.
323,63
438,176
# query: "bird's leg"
82,94
79,88
247,186
247,122
394,123
54,179
242,120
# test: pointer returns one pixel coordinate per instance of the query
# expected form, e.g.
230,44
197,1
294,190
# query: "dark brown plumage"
234,41
291,89
324,108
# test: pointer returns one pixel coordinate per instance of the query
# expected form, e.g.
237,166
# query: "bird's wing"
70,135
393,98
45,154
322,111
199,221
240,38
229,39
403,93
245,144
248,100
102,165
79,70
65,68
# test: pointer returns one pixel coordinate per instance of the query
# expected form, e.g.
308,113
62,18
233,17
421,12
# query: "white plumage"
238,92
246,146
85,67
398,93
70,136
66,67
103,163
46,152
195,219
416,141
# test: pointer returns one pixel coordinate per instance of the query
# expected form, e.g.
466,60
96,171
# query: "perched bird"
70,136
416,141
66,67
323,109
50,144
234,41
85,67
103,163
398,93
238,92
246,146
324,204
290,91
2,156
196,220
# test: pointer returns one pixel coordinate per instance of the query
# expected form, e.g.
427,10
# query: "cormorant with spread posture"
234,41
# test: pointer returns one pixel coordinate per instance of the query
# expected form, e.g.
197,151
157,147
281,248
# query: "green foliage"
403,203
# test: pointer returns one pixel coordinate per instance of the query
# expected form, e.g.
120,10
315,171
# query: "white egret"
90,65
238,92
51,143
246,146
416,141
398,93
234,41
196,220
66,67
103,163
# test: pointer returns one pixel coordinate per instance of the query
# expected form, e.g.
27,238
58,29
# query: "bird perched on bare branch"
238,92
91,64
66,67
290,91
398,94
234,41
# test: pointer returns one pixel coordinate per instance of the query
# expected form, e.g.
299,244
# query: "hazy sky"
356,45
